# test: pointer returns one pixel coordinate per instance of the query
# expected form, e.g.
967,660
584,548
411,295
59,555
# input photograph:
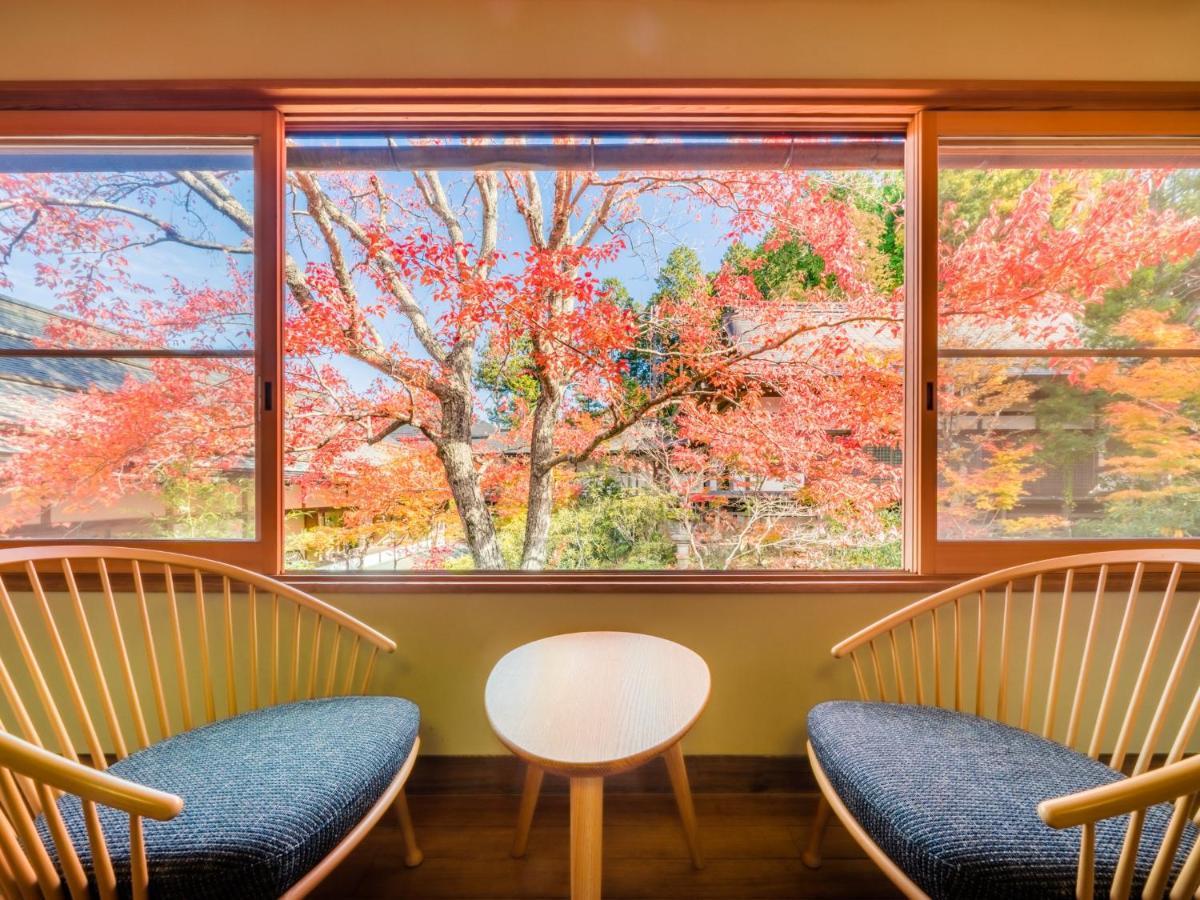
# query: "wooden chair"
1028,689
243,763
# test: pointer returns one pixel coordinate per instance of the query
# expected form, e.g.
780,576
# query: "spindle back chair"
109,649
1093,651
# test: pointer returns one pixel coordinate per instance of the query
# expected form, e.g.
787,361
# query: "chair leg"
529,799
683,799
812,853
412,853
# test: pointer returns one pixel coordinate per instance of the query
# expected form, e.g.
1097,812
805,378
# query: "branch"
625,422
395,284
530,207
359,331
490,217
430,184
170,232
213,190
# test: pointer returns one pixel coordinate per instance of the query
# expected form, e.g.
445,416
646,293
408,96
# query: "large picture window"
440,347
594,352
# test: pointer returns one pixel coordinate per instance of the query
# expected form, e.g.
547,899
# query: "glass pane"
137,246
1069,448
1080,244
610,353
126,448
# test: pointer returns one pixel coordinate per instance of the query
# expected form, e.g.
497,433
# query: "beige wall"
768,653
1020,39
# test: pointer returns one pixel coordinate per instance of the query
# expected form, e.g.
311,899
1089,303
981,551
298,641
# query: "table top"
595,702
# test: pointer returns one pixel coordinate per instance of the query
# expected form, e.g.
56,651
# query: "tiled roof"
30,380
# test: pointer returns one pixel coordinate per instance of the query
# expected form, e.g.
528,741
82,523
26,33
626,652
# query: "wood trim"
708,774
627,96
650,582
984,556
665,582
920,276
1068,123
45,121
269,242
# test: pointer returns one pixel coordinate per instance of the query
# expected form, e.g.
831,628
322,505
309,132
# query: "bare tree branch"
169,232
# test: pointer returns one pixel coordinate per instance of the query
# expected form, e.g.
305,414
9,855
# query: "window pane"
111,246
610,353
1069,448
126,448
127,390
1042,249
1068,340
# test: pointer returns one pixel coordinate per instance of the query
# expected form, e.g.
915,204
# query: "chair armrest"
48,768
1163,785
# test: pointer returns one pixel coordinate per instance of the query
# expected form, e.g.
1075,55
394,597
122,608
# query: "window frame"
923,111
942,557
265,129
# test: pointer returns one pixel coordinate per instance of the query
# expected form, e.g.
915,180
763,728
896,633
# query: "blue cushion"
952,799
267,795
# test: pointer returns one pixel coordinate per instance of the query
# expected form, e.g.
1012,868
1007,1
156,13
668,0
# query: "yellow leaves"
1153,328
1000,485
994,486
1031,526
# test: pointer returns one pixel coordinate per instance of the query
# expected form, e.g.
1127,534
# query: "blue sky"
664,223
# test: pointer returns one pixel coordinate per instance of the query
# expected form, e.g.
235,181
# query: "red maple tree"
733,382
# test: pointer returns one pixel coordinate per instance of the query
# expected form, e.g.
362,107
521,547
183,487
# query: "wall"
768,653
885,39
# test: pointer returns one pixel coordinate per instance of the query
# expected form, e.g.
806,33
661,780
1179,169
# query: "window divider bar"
123,353
1069,353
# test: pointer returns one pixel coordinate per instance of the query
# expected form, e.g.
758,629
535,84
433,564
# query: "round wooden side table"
589,705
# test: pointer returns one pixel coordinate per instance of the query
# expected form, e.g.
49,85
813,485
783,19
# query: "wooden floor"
752,843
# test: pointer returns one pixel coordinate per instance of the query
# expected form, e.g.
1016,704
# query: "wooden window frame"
923,111
942,556
265,130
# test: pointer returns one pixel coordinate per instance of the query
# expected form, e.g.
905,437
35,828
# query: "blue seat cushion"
266,794
952,799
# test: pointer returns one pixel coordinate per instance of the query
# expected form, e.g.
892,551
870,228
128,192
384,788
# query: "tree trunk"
455,451
541,477
476,518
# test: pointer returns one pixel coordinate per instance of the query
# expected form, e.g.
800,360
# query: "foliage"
466,372
607,526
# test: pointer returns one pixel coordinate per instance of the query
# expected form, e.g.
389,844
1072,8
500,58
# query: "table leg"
683,799
587,818
529,799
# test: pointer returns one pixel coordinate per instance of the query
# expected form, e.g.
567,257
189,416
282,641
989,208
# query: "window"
614,353
768,348
128,351
1068,346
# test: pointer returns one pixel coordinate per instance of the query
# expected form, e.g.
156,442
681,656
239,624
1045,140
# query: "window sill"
764,582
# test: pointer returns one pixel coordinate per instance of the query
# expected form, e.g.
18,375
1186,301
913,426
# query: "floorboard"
751,842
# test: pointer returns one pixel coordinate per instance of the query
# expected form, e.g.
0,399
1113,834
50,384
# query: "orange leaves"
171,419
1068,239
1153,328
